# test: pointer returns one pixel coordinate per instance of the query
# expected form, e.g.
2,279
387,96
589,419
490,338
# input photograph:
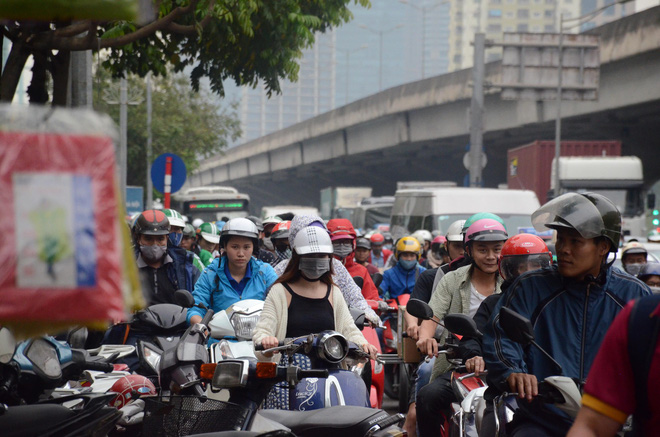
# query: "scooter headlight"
244,324
43,357
333,347
150,355
230,374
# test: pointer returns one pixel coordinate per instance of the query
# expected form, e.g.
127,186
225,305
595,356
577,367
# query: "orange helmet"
281,230
523,252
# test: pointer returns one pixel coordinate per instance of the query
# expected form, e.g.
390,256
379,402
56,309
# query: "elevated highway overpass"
419,130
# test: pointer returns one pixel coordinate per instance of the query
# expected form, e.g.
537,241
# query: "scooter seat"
349,420
33,420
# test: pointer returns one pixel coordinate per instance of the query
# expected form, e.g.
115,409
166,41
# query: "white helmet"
239,227
312,239
197,223
209,232
422,235
272,220
455,231
175,218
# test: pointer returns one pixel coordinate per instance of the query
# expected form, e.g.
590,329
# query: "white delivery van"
269,211
437,208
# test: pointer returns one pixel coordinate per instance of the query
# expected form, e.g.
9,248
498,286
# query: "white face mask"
633,268
655,290
314,268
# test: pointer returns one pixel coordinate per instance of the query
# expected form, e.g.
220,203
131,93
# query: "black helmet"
257,221
152,222
591,215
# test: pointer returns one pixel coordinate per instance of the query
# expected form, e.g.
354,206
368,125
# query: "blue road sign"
134,202
178,173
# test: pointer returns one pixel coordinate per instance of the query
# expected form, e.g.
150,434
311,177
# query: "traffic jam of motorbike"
239,308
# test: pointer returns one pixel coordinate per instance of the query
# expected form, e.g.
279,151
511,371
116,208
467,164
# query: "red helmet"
521,253
281,230
129,388
341,228
377,238
439,240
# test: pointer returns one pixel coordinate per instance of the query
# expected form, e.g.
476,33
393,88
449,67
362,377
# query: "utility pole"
150,189
560,65
477,111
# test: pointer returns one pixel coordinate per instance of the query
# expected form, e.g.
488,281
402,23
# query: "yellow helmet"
408,244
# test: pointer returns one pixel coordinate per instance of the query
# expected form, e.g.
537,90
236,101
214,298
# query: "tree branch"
192,28
50,41
72,29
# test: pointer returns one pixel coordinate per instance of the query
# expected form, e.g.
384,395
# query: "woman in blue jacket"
401,278
236,274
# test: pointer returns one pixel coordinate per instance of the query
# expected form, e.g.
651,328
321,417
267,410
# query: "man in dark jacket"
570,306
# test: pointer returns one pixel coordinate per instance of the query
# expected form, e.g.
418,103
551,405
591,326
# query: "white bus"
211,203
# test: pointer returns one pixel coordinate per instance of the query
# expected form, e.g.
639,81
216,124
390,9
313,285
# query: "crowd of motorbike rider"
304,269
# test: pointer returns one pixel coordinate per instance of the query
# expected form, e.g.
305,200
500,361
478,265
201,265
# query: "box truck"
339,202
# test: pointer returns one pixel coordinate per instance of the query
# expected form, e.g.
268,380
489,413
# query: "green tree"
184,122
244,40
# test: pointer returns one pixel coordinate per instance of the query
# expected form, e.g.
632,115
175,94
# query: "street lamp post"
380,34
423,10
114,95
348,66
560,60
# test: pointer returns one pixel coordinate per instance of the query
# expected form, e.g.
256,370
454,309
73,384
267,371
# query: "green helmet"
189,231
591,215
175,218
479,216
209,232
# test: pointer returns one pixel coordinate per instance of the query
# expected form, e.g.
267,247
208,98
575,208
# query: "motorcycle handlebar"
207,317
260,347
99,366
316,373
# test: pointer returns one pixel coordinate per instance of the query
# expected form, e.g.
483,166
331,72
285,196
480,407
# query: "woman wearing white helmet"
236,274
304,299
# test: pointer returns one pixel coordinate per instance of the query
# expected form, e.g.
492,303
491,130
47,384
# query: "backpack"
640,351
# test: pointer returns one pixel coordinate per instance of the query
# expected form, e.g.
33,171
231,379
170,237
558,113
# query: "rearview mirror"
77,337
183,298
419,309
462,324
7,345
377,278
516,327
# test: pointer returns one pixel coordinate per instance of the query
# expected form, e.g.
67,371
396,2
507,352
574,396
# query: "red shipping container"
529,167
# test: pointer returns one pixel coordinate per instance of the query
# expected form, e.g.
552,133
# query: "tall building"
312,94
493,17
611,13
392,43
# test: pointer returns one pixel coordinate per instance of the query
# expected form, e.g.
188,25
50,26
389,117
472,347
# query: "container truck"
619,178
595,166
339,202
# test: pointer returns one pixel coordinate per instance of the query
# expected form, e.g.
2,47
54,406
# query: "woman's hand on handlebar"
371,350
269,342
475,365
195,319
428,346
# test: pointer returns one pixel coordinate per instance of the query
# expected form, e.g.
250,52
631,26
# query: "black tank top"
309,316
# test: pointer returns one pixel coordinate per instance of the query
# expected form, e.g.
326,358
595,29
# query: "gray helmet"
240,227
363,243
257,221
591,215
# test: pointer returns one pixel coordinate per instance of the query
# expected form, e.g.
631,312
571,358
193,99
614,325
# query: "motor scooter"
233,328
469,388
561,392
30,372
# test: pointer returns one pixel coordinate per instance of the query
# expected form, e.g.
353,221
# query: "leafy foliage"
187,123
245,40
